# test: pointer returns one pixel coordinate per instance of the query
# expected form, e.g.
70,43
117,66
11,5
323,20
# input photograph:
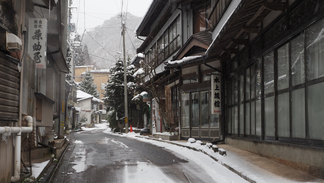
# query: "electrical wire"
100,44
130,39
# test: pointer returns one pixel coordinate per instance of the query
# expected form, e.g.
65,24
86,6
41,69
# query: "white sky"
97,11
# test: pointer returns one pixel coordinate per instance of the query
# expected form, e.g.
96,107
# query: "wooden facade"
9,88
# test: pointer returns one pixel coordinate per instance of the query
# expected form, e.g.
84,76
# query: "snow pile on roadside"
38,168
97,127
214,168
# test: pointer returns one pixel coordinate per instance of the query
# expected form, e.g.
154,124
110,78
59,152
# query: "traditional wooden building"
272,69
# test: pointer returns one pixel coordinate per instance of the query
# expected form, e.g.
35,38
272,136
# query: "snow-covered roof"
131,66
138,72
84,66
140,55
143,93
81,95
100,70
184,59
77,109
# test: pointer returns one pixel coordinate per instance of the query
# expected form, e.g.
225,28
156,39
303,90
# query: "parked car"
145,130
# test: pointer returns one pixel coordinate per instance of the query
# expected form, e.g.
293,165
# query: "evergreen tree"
88,85
115,93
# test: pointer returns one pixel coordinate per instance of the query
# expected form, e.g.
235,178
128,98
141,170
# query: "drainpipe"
7,131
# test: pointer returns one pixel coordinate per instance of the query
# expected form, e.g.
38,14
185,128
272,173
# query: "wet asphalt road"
94,156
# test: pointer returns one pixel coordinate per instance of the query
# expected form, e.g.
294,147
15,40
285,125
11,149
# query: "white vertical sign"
69,63
37,39
216,94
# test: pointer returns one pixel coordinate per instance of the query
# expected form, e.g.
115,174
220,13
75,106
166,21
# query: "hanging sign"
69,63
37,39
216,94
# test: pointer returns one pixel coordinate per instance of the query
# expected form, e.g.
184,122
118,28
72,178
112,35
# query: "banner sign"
216,94
37,39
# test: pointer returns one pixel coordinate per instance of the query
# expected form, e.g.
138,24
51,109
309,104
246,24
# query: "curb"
215,159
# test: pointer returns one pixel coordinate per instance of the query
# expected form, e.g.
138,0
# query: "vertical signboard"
216,94
69,63
37,39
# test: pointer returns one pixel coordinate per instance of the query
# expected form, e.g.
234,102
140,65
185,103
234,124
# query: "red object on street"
131,129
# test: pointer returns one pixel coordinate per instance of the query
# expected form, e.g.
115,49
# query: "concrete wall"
79,70
308,159
86,111
6,159
99,78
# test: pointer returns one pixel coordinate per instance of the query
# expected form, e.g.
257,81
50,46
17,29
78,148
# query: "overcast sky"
97,11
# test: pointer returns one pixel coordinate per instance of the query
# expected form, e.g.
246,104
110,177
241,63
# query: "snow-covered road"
97,155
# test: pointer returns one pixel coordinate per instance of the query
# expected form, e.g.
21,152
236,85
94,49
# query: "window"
298,113
188,80
315,50
283,67
289,98
205,109
316,111
195,109
167,44
297,60
185,110
247,102
201,22
269,73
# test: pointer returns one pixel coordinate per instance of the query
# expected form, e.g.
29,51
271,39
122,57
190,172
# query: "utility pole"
125,79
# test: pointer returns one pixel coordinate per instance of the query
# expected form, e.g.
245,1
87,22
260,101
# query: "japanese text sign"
37,39
216,94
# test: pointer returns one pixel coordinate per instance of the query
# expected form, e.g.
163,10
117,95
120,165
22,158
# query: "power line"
99,57
130,40
99,44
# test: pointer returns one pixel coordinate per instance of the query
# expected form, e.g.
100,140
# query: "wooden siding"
9,88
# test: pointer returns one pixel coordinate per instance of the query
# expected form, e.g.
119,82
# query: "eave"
245,19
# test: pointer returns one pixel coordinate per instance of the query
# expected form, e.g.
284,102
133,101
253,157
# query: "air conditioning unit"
10,42
13,42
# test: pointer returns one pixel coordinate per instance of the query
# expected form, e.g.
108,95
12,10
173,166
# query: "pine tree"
88,85
115,92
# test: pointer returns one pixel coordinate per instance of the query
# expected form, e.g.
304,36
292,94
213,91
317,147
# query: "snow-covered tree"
115,92
147,76
88,85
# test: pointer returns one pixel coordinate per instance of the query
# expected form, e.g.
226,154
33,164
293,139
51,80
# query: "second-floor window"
201,21
167,44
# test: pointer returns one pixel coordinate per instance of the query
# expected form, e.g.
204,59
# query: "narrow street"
94,156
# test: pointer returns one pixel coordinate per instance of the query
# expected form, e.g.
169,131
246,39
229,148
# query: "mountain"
105,42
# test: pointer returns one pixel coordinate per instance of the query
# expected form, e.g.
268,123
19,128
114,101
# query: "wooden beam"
276,6
240,41
252,29
232,51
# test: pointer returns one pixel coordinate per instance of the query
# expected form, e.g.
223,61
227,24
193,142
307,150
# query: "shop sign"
37,39
146,98
69,63
216,94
